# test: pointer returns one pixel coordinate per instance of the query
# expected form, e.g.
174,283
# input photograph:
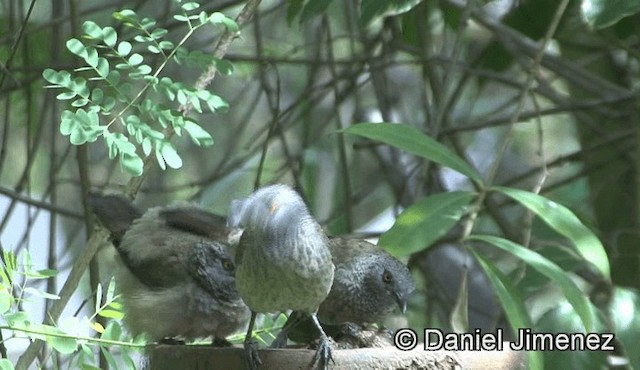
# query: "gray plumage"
368,285
283,258
177,278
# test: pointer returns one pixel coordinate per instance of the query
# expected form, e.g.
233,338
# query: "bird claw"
171,341
281,339
350,330
251,354
324,354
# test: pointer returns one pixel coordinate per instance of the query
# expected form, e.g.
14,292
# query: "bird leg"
323,353
281,340
251,346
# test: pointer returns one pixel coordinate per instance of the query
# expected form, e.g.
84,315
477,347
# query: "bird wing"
343,250
115,212
158,273
196,221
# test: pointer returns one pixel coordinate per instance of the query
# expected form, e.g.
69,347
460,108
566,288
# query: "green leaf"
62,345
97,95
109,357
111,290
111,314
460,315
512,303
6,300
91,57
198,134
166,45
80,103
18,319
125,15
98,300
313,8
216,103
294,8
154,49
372,9
412,140
624,311
113,331
102,67
82,126
79,86
66,95
35,292
135,59
604,13
158,33
113,78
562,220
140,71
224,66
92,29
108,104
132,163
110,36
146,146
425,221
147,23
187,7
76,47
577,299
180,18
60,78
170,155
219,18
116,305
563,319
5,364
124,48
41,274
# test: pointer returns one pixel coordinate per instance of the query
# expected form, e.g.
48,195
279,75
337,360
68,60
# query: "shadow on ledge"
170,357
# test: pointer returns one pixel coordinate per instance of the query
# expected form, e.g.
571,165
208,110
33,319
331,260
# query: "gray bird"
283,260
368,285
177,278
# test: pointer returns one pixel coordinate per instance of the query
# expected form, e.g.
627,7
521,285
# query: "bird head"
390,282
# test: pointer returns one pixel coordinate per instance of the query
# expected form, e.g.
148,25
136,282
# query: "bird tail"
115,212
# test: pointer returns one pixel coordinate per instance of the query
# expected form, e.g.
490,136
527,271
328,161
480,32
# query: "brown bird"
283,260
368,285
178,277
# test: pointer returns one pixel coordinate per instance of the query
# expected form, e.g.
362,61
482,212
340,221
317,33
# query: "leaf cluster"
117,94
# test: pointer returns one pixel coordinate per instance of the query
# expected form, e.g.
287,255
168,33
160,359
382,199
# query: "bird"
177,278
368,285
283,261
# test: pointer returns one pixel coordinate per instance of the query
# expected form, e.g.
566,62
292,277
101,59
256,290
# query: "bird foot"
251,354
171,341
350,330
323,354
220,342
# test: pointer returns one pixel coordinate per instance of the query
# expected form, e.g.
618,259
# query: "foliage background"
468,74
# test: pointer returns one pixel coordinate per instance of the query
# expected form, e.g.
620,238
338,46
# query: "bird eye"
227,265
387,277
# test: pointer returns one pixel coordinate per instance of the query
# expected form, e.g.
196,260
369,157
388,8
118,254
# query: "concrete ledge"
165,357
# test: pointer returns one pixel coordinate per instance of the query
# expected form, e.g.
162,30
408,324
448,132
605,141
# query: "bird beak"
401,299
